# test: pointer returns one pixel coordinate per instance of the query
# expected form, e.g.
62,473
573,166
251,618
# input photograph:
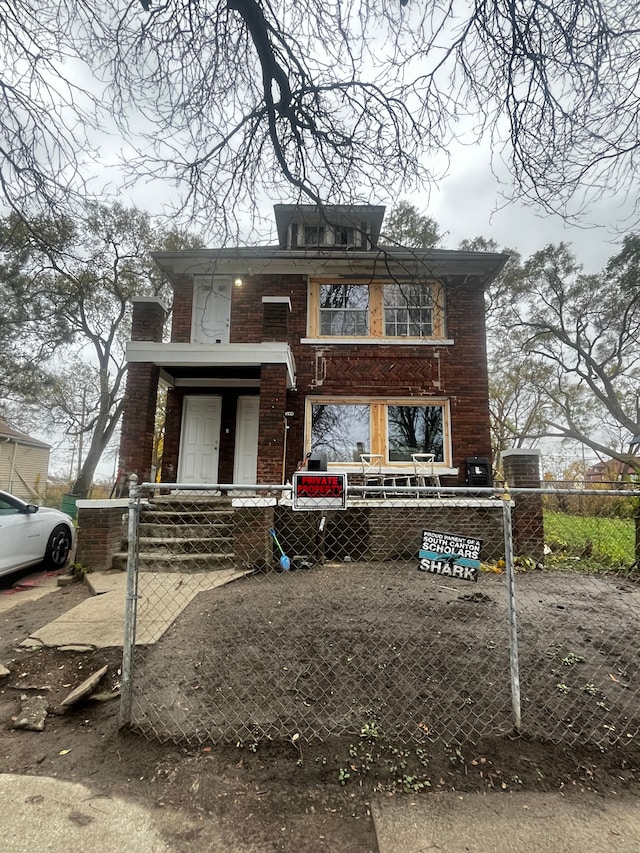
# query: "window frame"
345,310
378,432
376,312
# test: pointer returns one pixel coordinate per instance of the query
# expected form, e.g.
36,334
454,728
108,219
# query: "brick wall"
388,533
138,420
275,326
181,311
457,372
141,393
148,319
171,446
273,396
100,533
252,543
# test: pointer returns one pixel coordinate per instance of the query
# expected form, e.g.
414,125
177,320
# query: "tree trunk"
100,438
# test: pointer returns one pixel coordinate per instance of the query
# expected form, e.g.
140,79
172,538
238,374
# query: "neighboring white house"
24,463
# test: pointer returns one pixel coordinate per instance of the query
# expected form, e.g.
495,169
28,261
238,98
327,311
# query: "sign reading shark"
450,555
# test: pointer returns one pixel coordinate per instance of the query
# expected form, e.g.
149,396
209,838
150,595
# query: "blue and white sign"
449,555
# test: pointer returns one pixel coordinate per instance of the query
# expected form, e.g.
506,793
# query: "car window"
8,509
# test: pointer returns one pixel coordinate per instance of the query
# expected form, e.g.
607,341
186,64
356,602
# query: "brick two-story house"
327,342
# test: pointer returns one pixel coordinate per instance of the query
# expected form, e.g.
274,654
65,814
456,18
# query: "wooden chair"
372,470
424,471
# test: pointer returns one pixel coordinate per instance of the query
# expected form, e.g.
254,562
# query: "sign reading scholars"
450,555
319,491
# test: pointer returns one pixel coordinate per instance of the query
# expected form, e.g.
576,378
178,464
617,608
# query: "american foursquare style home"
327,346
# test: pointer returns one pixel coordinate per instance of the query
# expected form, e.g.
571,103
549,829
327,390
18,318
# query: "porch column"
273,400
139,413
273,394
522,471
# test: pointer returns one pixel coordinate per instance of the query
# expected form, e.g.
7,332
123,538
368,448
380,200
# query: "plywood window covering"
376,309
393,428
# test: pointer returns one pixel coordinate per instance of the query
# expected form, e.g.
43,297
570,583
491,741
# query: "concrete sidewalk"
35,586
98,622
507,823
39,814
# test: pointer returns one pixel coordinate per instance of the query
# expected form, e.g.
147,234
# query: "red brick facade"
100,534
139,415
272,308
182,308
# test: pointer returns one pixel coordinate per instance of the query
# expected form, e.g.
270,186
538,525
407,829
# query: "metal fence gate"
318,623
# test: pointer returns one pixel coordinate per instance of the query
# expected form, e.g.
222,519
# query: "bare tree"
47,110
240,100
355,100
579,335
83,275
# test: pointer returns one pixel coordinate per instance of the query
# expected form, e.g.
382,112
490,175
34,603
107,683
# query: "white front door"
200,440
245,464
211,309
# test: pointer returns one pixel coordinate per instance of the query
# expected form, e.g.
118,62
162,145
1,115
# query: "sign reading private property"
319,490
450,555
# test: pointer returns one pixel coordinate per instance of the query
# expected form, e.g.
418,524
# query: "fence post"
131,603
513,631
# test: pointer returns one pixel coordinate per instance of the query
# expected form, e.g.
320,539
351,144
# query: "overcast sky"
470,203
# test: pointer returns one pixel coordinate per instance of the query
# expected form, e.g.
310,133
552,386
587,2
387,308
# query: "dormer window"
343,236
334,226
314,235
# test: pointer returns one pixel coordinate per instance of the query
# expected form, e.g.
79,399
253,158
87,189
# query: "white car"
31,534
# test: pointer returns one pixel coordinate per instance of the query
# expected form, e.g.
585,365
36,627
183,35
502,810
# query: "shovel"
285,562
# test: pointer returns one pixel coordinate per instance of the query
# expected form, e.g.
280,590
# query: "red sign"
319,490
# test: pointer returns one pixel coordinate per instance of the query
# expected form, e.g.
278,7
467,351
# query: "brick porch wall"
100,533
273,396
383,534
139,413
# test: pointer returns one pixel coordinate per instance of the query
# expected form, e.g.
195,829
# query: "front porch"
192,530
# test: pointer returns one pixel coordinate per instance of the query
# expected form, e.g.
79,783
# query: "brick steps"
156,562
184,534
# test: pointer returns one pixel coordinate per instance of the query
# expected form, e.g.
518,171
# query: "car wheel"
58,547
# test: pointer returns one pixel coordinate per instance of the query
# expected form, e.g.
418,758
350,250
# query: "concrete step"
188,516
184,531
153,562
185,545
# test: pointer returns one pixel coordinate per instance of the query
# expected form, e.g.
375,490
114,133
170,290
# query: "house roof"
8,433
608,466
478,268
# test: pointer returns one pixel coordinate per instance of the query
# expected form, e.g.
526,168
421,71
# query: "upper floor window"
408,310
343,236
344,309
377,309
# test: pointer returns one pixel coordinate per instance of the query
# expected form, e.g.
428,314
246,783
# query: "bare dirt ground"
272,792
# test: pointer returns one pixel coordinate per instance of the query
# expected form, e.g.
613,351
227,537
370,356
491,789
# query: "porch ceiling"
185,364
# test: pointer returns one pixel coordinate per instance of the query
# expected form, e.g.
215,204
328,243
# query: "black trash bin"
477,471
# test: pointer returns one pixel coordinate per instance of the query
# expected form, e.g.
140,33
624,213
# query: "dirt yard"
394,681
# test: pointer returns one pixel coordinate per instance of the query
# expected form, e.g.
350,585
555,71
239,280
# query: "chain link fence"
578,612
319,623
